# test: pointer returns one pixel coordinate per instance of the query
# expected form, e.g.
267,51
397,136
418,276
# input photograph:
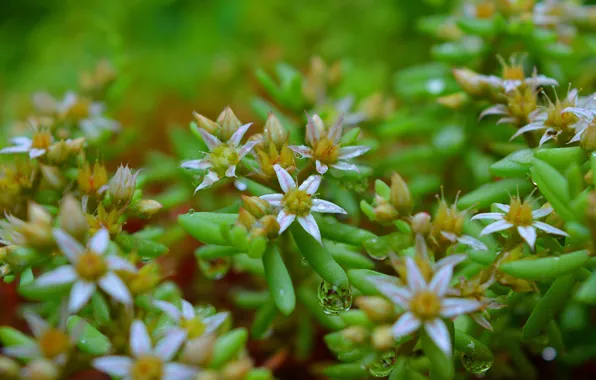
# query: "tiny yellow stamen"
91,266
147,368
41,140
53,343
426,305
194,326
297,202
222,157
326,151
520,213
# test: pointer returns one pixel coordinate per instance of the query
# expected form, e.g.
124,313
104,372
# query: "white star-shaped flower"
521,216
188,323
147,362
36,146
426,303
222,157
95,122
323,146
298,203
90,268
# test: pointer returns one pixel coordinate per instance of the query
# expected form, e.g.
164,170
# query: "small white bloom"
520,215
189,325
90,268
147,362
36,146
94,122
586,117
426,303
297,202
222,158
323,146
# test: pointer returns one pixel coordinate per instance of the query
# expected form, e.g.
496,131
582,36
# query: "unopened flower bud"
274,132
286,157
256,206
270,226
318,124
146,208
237,369
355,334
72,219
376,308
52,175
588,137
382,338
58,152
400,195
9,369
421,223
470,81
75,146
90,180
41,369
385,212
123,185
206,123
198,351
228,123
454,101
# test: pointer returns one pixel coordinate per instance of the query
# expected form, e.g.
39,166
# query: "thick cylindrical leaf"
279,280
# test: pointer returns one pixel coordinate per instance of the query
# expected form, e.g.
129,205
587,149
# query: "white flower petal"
71,248
310,225
528,128
285,220
188,310
168,308
140,341
14,149
286,182
352,151
239,134
60,275
336,130
452,307
546,137
541,212
302,150
177,371
311,184
437,331
499,109
549,229
115,287
209,179
273,199
34,152
497,226
24,351
214,321
581,112
441,279
99,242
577,136
399,295
211,141
528,233
405,325
321,167
542,80
320,205
488,215
21,140
503,207
118,366
482,321
345,166
312,132
415,279
231,172
167,347
472,242
80,294
118,263
36,323
451,260
196,164
449,236
246,148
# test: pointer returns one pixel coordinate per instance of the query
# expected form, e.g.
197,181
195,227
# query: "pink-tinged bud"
421,223
228,124
206,123
123,185
274,132
72,219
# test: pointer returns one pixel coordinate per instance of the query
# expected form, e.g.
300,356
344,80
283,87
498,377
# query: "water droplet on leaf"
334,300
383,365
476,367
191,211
215,269
377,248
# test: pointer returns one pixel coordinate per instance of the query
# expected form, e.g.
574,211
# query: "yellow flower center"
91,266
53,343
297,202
194,326
79,110
520,213
558,120
425,305
41,140
326,151
513,72
222,157
521,103
147,368
448,219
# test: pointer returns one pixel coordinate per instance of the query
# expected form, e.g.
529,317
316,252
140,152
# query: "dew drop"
191,211
376,248
549,354
240,185
476,367
383,365
334,300
215,269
